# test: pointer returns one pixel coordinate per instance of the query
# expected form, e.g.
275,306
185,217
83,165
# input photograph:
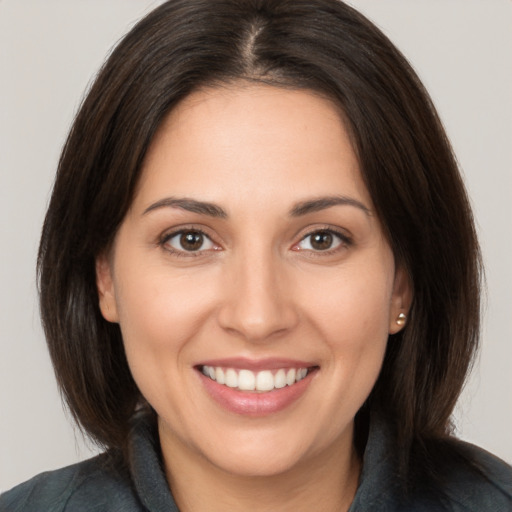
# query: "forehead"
275,142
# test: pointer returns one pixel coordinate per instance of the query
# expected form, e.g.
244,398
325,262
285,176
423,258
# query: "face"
253,285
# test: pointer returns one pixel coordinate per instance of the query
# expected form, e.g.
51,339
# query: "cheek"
159,312
160,305
351,312
353,305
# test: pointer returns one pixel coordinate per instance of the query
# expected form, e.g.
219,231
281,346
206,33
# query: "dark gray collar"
146,467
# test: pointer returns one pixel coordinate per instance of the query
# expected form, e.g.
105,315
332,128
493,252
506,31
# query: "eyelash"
345,242
164,242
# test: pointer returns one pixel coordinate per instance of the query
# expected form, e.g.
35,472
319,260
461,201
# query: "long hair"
405,158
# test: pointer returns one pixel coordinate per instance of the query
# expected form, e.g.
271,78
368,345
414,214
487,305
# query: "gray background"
49,51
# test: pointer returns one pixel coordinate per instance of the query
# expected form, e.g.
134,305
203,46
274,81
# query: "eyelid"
164,238
205,240
345,239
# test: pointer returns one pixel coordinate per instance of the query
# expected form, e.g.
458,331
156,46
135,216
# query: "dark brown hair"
405,158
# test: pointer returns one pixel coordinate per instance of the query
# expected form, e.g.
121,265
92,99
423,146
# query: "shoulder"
465,477
482,479
91,484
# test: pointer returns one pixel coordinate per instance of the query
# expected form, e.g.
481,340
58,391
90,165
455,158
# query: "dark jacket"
466,479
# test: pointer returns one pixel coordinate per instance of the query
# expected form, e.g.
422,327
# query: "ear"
401,301
106,291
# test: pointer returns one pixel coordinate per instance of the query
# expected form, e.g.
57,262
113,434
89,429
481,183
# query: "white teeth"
280,379
219,375
231,378
265,381
247,380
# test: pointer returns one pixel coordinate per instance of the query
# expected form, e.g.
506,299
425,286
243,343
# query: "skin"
256,288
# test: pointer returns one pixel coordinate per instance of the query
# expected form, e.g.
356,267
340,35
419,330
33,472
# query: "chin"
259,462
271,449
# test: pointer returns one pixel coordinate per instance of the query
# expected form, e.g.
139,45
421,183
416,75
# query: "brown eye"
321,241
190,241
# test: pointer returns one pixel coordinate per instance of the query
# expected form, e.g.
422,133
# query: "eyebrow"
322,203
213,210
191,205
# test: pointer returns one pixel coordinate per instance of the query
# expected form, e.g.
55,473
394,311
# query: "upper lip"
242,363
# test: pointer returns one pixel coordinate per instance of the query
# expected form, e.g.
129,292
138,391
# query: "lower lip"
255,404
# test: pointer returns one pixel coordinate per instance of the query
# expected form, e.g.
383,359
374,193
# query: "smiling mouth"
251,381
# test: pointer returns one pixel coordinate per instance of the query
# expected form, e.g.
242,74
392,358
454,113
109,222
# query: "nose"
258,303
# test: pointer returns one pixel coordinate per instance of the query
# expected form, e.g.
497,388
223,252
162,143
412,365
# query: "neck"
327,481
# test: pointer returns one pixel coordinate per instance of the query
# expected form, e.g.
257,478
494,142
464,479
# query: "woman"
259,274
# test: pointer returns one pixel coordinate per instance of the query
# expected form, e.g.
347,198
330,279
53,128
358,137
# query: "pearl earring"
402,317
